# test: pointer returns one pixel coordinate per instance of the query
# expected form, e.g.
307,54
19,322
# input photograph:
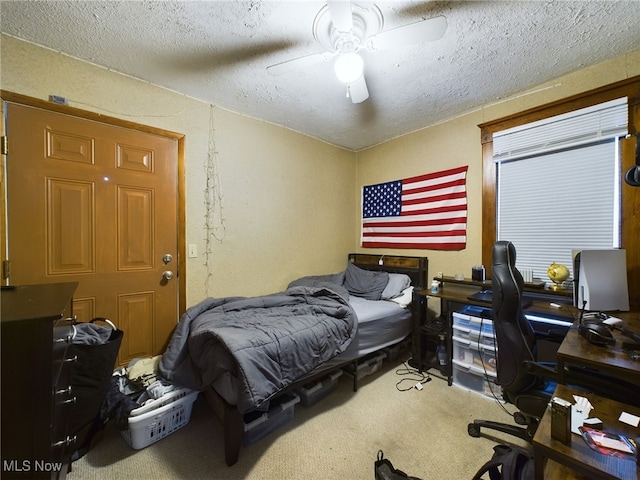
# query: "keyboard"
486,296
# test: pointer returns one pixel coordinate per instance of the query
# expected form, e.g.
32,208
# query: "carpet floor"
423,432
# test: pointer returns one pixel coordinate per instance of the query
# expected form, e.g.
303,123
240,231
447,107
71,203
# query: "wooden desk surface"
459,293
578,455
456,293
576,349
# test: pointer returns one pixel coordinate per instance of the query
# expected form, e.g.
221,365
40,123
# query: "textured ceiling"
218,51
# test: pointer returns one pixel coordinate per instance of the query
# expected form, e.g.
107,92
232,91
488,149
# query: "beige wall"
451,144
284,203
457,142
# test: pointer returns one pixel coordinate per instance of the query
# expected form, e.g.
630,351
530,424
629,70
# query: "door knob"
167,275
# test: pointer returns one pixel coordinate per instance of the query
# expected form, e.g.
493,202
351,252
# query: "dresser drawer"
63,334
63,396
36,374
64,399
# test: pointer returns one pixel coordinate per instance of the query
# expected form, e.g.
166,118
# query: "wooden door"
96,204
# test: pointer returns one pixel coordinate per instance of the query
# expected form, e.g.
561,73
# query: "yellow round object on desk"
558,273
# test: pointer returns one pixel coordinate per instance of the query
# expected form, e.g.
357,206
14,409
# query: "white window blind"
558,185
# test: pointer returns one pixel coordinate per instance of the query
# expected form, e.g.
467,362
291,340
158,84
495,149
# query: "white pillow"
404,300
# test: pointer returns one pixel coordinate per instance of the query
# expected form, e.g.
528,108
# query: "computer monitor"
600,279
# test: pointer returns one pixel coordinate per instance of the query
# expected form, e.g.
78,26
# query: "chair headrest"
504,253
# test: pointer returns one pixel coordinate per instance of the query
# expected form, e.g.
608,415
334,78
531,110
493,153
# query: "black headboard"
416,267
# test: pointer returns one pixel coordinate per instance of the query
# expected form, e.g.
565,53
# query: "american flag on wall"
424,212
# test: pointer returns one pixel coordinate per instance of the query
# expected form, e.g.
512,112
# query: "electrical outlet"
193,250
439,275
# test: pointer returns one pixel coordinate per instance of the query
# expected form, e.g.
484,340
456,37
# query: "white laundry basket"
159,418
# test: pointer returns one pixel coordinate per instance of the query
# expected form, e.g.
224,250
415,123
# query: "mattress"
381,324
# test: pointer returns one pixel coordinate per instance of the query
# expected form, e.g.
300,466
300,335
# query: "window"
558,184
629,196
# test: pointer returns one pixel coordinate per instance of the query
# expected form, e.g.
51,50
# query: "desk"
427,335
612,360
575,349
455,294
578,455
458,291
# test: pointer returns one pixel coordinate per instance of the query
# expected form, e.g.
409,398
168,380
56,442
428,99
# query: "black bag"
384,470
90,380
508,463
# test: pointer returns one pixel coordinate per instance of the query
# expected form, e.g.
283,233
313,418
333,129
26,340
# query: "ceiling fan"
344,28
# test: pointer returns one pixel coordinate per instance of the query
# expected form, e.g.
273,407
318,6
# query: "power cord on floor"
415,378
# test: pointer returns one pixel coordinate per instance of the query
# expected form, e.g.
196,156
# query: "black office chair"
526,383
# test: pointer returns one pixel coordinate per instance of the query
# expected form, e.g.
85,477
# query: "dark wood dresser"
37,398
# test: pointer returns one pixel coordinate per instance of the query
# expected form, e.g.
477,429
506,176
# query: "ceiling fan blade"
358,90
418,32
340,11
299,63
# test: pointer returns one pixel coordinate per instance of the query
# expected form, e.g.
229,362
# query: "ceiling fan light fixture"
349,67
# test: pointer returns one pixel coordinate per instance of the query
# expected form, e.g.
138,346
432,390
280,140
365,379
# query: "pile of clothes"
133,387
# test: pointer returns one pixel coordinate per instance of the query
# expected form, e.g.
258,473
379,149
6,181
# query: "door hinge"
4,146
6,269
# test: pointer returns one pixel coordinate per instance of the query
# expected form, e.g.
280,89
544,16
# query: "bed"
243,352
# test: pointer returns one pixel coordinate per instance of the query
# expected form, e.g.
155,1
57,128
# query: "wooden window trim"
630,215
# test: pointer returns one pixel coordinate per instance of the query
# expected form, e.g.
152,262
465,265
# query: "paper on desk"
608,441
579,413
612,321
583,402
629,419
614,443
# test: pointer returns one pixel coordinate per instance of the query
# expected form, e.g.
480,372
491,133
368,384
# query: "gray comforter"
266,342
